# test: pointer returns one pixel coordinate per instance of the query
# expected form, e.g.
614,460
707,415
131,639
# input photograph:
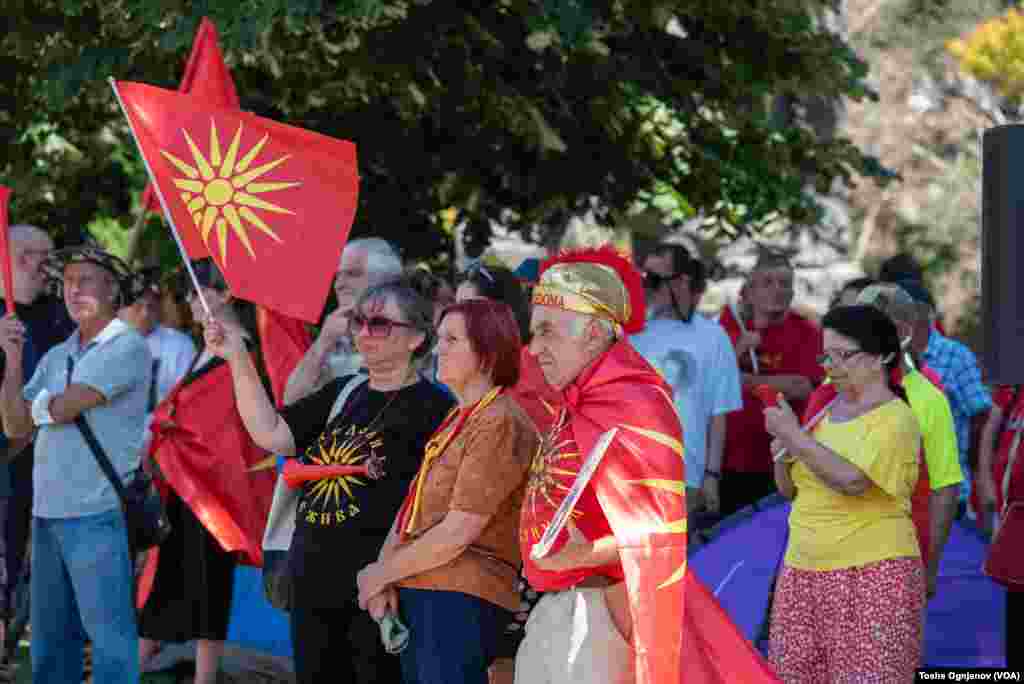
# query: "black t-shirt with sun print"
342,522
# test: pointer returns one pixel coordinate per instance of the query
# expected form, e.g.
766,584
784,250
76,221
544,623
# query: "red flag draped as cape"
207,77
204,453
680,631
271,203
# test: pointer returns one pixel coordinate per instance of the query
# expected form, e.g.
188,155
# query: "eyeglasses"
652,281
837,356
378,326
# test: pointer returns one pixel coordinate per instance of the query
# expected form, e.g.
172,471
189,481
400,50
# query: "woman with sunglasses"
358,442
216,506
454,549
849,599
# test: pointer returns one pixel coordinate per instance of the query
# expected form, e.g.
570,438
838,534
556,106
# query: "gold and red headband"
597,282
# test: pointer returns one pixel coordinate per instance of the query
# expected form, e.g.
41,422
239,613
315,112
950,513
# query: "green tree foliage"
521,111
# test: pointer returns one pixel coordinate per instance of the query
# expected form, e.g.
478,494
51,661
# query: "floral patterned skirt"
855,625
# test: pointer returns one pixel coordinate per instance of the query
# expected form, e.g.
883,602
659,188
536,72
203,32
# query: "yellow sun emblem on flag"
221,190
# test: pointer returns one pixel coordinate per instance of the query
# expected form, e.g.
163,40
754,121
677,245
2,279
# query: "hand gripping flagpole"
743,327
163,203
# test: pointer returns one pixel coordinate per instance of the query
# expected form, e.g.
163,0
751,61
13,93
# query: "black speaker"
1002,248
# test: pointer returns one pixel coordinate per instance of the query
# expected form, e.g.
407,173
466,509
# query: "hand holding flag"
768,395
12,335
221,340
780,422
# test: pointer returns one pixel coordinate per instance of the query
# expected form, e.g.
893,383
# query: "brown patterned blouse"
483,471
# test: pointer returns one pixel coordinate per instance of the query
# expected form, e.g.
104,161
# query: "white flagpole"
564,512
163,202
743,327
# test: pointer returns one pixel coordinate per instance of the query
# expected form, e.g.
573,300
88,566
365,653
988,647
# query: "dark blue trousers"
453,637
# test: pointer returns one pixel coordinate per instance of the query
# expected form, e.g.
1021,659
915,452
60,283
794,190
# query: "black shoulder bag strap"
97,450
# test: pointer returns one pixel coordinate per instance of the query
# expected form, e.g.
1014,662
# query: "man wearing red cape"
619,605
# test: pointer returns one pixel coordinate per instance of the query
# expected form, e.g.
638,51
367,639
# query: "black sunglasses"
378,326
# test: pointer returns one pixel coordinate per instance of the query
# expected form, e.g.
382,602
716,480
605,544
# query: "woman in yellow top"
849,600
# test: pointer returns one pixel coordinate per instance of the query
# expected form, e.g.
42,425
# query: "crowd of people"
464,412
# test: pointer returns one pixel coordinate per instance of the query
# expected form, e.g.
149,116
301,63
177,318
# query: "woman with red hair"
453,552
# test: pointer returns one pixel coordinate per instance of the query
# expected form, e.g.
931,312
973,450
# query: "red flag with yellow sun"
272,204
207,76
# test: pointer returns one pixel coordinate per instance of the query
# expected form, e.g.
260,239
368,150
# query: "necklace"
436,445
366,433
391,399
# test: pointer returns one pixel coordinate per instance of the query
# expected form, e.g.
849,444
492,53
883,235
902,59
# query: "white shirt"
174,350
697,361
67,481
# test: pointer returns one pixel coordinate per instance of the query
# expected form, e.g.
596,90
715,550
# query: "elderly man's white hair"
580,321
23,232
382,260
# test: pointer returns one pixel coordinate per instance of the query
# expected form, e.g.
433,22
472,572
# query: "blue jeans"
82,584
453,637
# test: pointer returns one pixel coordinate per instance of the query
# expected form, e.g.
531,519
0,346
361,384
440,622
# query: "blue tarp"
738,560
964,626
255,624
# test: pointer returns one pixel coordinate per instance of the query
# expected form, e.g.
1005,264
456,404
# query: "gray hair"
23,232
893,301
382,261
416,309
580,322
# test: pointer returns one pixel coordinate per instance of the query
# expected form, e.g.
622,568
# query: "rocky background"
926,126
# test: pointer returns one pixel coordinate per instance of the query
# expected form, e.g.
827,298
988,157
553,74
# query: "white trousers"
571,639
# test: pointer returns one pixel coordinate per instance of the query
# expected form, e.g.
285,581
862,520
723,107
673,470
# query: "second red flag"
271,203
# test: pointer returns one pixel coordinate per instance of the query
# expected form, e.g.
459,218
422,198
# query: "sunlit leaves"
994,52
518,111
